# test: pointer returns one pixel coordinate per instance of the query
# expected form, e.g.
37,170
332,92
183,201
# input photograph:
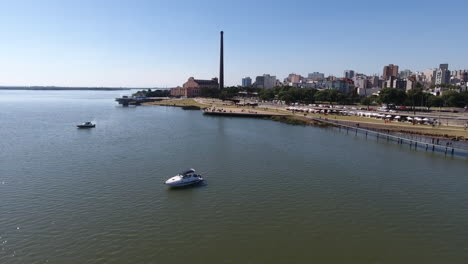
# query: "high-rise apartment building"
429,76
349,74
458,74
246,82
405,74
295,78
269,81
442,75
316,76
266,81
390,71
374,81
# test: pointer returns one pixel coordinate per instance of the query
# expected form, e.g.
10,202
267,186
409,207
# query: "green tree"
435,101
224,95
210,92
341,98
322,96
332,95
309,95
392,96
453,98
286,96
367,101
266,94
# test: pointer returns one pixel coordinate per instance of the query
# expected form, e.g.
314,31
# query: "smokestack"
221,64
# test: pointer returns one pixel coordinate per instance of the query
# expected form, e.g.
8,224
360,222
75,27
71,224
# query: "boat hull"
81,126
176,184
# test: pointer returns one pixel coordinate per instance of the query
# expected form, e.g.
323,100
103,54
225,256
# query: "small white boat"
86,125
184,178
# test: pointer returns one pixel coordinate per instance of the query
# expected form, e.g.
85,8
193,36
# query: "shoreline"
287,117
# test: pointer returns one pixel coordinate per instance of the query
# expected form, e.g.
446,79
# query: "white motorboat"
184,178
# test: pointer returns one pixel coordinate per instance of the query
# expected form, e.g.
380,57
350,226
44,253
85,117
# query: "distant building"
246,82
343,86
374,81
269,81
349,74
429,76
461,75
266,81
295,78
410,83
390,71
405,74
458,74
177,92
316,76
442,75
390,82
278,83
360,83
399,84
368,91
259,82
193,87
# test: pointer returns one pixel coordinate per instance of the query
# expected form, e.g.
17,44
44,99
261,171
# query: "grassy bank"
298,121
188,103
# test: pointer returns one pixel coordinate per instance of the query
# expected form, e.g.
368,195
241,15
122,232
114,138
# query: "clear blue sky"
162,43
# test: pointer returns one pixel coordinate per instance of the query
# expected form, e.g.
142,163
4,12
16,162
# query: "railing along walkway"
419,142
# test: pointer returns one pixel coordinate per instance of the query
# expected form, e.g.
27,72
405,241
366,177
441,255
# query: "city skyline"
157,44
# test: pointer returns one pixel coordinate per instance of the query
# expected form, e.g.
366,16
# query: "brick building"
390,71
193,87
177,92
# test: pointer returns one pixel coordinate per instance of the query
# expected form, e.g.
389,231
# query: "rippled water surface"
274,193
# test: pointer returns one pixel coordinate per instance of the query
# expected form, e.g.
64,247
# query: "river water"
274,193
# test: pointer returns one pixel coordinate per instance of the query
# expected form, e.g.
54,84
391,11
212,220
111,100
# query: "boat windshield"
187,172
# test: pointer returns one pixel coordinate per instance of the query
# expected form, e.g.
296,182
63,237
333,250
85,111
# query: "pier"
126,101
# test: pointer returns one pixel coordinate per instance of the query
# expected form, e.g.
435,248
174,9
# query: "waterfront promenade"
240,112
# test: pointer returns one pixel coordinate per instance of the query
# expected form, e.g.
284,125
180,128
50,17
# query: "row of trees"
153,93
227,93
445,85
418,97
288,94
306,95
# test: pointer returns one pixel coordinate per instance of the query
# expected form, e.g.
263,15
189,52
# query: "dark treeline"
418,97
449,86
153,93
287,94
290,94
227,93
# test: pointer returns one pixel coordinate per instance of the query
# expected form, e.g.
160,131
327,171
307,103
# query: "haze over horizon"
162,43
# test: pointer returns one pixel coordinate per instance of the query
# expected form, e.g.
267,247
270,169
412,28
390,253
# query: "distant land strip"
57,88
